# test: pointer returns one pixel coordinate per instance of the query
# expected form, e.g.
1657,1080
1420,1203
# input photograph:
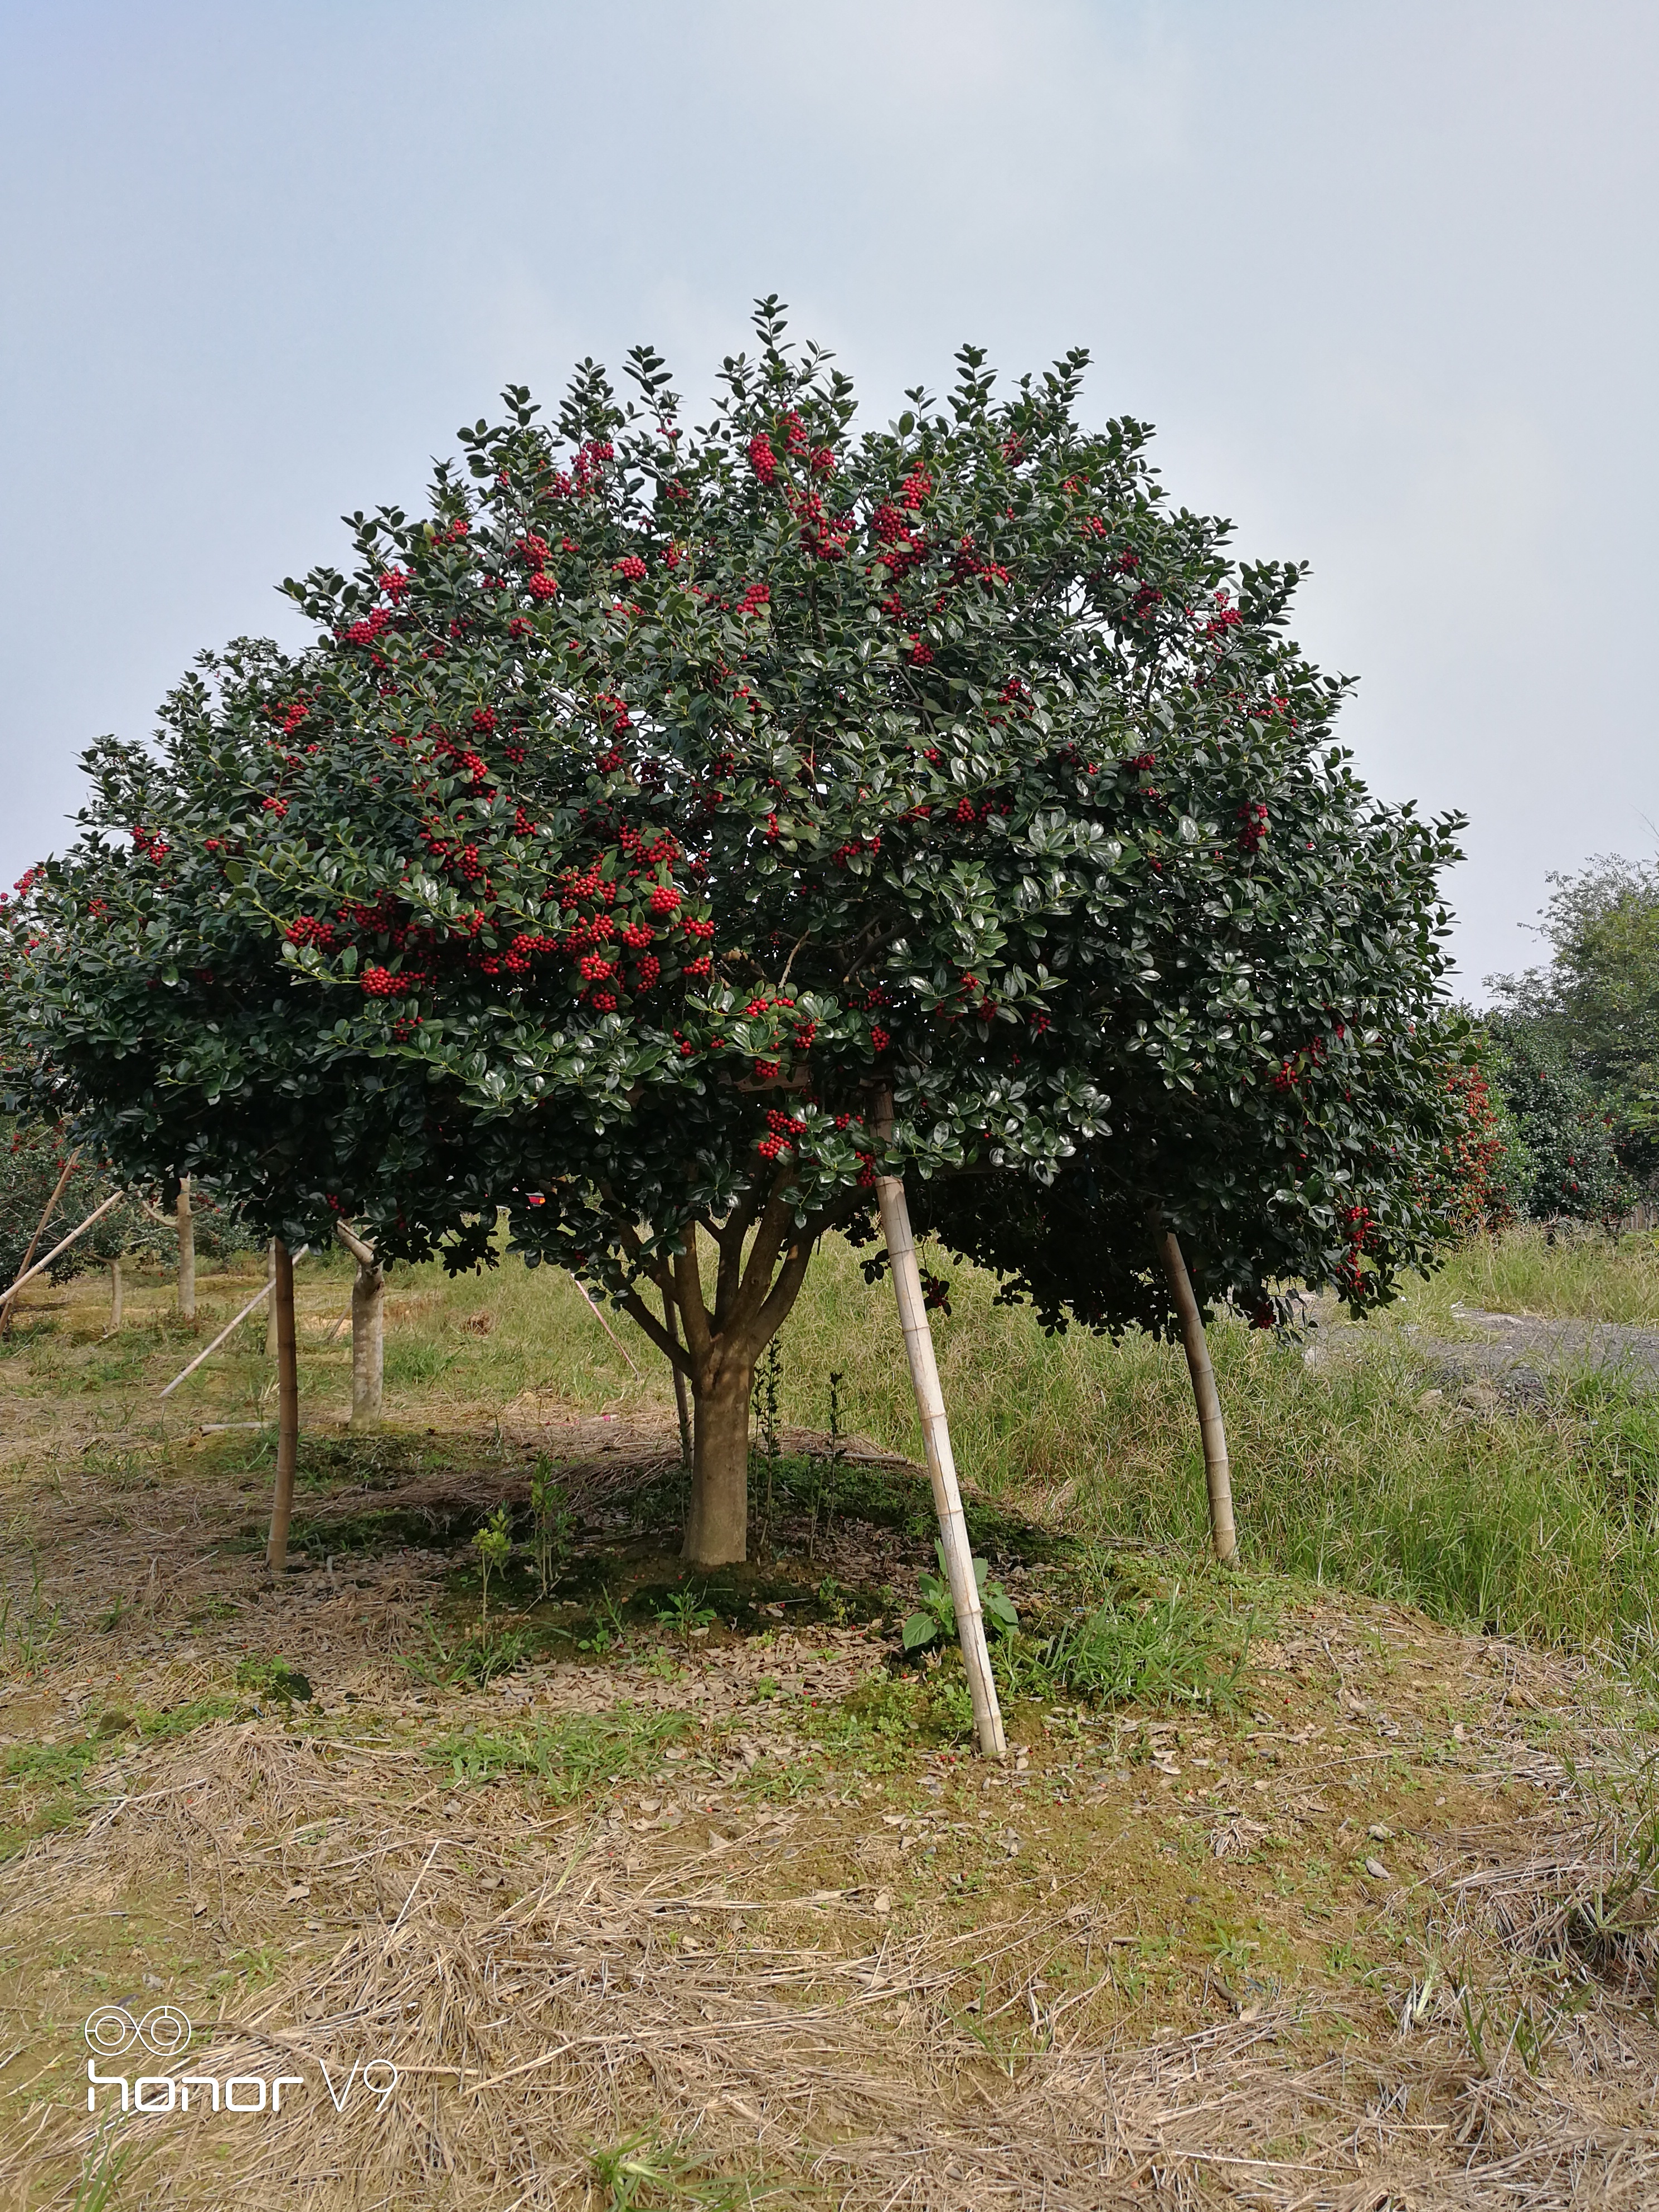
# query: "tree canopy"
665,796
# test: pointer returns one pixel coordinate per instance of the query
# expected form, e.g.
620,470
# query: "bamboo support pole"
230,1330
114,1296
1218,1475
681,1401
941,1465
271,1310
58,1250
186,1221
606,1326
287,1409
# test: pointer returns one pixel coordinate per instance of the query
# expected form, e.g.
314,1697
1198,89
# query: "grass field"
658,1891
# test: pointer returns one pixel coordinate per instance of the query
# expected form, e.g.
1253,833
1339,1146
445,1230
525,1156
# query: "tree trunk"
287,1405
270,1302
1217,1475
717,1521
367,1344
186,1221
114,1296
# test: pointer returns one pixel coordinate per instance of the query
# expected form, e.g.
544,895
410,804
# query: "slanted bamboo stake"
40,1266
367,1330
51,1207
936,1438
230,1330
681,1404
186,1225
1217,1475
287,1409
605,1326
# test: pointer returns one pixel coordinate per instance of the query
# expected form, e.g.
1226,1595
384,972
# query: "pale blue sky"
1383,277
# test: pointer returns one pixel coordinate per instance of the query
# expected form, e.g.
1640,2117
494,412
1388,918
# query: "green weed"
566,1758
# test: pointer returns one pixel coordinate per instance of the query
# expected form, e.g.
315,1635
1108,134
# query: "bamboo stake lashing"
40,1266
230,1330
1211,1428
941,1464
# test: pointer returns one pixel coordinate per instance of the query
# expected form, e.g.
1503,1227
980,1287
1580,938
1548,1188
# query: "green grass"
1539,1522
567,1758
1583,1275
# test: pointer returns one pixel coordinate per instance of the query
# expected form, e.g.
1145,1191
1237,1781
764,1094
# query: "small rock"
1380,1833
882,1903
1377,1871
1460,1734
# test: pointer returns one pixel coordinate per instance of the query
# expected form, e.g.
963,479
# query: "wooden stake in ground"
57,1190
271,1310
367,1330
1217,1475
287,1406
186,1221
936,1438
114,1296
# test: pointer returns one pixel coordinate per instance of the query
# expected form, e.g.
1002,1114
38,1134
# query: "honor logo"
165,2033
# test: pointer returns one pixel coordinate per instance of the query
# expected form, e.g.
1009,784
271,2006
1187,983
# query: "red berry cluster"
763,460
381,983
630,566
758,596
369,627
307,930
1253,831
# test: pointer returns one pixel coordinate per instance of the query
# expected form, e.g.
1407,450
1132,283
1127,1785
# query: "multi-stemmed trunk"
368,1331
185,1220
288,1405
761,1259
1218,1475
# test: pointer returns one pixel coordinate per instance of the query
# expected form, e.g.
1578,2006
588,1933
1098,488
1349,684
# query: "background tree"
1568,1164
1594,1010
39,1204
661,799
